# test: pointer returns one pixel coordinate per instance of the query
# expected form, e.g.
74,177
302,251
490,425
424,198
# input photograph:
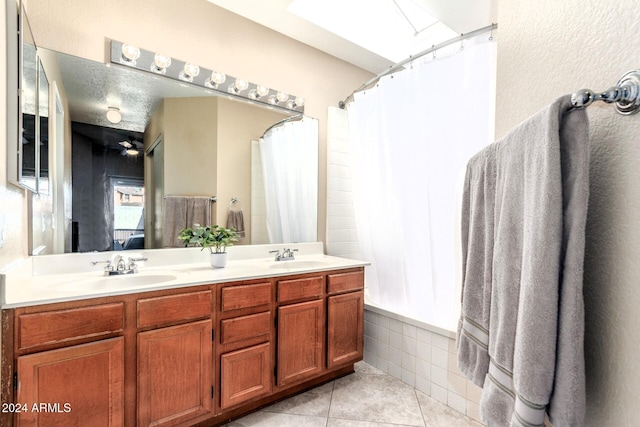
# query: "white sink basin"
115,282
285,265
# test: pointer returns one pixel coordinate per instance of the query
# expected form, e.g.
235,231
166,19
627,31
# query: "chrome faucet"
287,254
118,265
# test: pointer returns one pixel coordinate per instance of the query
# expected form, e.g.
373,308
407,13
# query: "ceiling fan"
131,148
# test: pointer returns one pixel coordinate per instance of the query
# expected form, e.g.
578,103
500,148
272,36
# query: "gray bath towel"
235,219
522,323
181,212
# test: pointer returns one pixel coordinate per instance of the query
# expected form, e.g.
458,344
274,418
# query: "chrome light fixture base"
185,72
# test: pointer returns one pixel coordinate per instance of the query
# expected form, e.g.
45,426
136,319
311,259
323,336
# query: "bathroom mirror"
90,88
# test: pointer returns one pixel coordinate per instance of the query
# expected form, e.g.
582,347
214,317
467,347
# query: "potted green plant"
214,238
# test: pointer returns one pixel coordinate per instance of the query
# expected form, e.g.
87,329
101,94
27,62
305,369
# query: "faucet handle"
131,263
277,252
108,267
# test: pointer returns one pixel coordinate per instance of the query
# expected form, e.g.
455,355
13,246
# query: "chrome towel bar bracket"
625,94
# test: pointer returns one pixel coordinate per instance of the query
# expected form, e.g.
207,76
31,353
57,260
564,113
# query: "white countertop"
58,278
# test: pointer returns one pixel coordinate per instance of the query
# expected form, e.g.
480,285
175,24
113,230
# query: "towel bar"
625,94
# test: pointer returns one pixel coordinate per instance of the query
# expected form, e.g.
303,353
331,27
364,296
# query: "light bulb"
253,94
189,72
129,54
218,77
241,84
282,97
272,100
160,63
299,101
262,90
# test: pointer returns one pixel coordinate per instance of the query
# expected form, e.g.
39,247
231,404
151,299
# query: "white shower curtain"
410,138
290,168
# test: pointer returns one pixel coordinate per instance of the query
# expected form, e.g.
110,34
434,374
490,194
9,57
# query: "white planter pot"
218,260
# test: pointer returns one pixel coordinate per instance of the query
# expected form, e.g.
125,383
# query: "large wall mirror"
169,139
161,139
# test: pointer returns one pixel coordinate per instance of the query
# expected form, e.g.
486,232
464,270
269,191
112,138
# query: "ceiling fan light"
132,151
113,115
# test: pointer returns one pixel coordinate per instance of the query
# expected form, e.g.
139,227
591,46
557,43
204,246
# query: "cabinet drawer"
174,308
245,327
243,296
290,290
345,282
70,324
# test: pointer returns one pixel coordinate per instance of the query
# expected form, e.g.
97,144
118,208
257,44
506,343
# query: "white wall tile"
409,345
409,330
408,377
439,358
395,339
423,335
395,370
395,355
474,393
440,341
439,376
423,384
423,351
395,325
423,369
408,362
457,384
439,393
473,411
457,402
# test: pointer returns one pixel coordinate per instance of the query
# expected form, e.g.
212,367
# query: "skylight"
393,29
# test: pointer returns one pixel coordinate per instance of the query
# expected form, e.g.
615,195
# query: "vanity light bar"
158,63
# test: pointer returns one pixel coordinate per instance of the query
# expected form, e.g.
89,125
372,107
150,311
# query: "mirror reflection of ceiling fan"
131,148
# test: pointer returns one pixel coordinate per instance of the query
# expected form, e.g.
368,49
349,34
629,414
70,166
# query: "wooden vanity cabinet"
199,355
345,318
301,329
66,362
245,345
175,363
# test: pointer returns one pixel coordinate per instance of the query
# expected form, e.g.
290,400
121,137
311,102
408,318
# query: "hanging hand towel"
235,220
181,212
523,225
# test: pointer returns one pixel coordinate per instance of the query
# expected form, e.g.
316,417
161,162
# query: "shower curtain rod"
395,67
288,119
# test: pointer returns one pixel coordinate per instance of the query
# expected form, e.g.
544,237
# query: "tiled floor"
366,398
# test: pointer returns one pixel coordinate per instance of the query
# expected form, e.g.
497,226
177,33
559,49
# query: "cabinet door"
300,341
245,374
175,374
73,386
345,328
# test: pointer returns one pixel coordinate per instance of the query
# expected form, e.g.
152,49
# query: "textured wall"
546,49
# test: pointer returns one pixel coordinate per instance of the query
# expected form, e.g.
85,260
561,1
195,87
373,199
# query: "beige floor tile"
375,398
273,419
313,402
437,414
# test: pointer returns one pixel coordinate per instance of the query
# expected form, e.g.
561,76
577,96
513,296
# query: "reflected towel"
182,212
236,220
523,226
